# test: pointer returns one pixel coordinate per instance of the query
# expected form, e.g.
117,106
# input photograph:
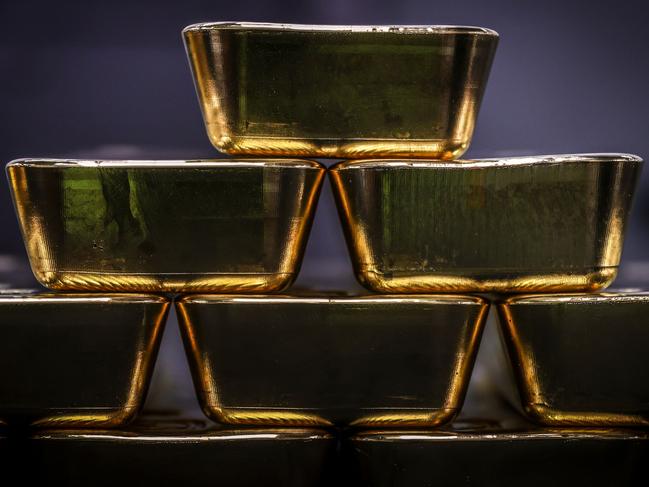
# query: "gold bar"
177,452
357,361
165,226
544,223
580,359
75,360
340,91
487,455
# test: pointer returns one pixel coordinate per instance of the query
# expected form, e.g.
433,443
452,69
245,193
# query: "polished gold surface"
546,223
165,226
359,361
76,360
340,91
173,452
487,455
580,359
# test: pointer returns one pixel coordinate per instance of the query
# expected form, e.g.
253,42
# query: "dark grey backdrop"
110,79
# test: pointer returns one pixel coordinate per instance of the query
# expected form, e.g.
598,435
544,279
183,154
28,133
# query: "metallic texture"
340,91
546,223
345,361
75,360
487,455
154,226
580,359
186,453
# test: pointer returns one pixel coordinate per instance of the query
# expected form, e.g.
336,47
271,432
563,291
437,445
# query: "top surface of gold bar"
312,28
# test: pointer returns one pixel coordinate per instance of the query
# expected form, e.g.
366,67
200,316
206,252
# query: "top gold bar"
340,91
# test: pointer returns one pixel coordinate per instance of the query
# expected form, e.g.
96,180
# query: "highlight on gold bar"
165,226
580,359
522,224
365,361
76,360
340,91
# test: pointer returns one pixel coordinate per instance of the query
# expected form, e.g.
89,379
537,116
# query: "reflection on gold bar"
546,223
359,361
177,452
76,360
222,225
340,91
580,359
487,455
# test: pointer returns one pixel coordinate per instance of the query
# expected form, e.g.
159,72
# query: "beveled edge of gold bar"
487,162
612,296
207,434
277,163
317,28
426,283
27,296
286,298
166,283
491,434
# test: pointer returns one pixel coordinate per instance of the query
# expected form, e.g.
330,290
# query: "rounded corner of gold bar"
263,417
111,419
404,419
545,415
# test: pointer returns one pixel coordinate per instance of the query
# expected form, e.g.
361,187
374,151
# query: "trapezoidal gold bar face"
494,457
361,362
76,360
340,91
181,453
546,223
580,359
165,226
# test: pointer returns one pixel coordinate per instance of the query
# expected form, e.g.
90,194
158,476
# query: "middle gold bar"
522,224
338,361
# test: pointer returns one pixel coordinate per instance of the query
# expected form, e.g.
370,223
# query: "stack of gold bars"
329,389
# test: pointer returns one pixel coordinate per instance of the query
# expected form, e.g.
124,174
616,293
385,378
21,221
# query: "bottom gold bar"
367,361
76,360
580,359
485,455
184,453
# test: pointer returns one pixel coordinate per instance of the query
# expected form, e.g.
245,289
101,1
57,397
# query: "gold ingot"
366,361
580,359
486,454
524,224
76,360
212,226
174,452
340,91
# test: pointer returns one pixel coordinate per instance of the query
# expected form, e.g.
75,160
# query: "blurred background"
110,79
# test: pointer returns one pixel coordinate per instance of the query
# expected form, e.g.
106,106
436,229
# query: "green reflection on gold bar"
366,361
222,226
340,91
545,223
